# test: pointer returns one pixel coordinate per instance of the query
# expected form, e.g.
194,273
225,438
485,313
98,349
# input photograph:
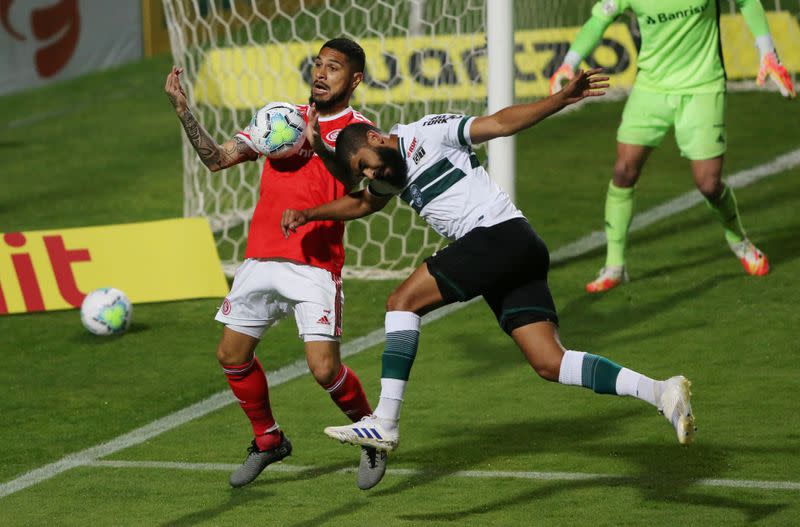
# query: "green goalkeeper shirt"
681,50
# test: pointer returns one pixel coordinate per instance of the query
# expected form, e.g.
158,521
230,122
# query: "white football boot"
676,407
371,468
372,431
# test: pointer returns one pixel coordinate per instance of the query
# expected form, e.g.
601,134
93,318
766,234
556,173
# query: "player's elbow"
367,208
507,131
506,122
375,205
503,128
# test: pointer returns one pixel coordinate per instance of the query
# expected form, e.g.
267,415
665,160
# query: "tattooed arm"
214,156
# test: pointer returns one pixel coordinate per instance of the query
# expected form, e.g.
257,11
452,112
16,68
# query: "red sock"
249,385
347,393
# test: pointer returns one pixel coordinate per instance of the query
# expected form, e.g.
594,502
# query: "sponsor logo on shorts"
324,318
332,135
226,307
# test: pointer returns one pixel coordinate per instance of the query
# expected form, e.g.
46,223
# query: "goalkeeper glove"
561,78
771,67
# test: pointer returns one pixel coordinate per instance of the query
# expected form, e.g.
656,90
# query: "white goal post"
423,56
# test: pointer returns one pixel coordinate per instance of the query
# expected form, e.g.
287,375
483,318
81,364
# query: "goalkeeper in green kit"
680,83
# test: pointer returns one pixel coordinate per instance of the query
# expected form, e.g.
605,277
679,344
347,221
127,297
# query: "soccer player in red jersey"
301,274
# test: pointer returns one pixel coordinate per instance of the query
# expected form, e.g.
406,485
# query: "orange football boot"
609,277
753,260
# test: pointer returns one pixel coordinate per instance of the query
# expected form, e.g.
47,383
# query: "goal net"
423,56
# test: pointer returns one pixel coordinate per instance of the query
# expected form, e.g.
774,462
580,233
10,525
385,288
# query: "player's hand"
771,67
312,131
291,220
561,78
175,91
584,84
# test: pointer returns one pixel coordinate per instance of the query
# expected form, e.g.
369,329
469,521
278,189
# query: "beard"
395,170
335,99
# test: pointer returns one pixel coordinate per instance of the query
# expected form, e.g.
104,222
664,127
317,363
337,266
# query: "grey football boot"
257,460
371,468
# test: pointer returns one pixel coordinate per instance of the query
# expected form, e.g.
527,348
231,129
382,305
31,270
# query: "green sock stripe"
599,374
618,215
726,211
399,354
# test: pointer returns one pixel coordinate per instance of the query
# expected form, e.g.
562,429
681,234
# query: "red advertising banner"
41,40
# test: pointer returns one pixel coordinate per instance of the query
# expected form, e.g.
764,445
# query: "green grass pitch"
105,149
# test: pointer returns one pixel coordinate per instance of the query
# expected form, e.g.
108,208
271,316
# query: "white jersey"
445,183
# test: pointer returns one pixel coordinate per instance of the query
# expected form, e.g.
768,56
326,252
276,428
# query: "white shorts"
265,291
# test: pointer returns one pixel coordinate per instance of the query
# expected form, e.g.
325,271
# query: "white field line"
482,474
299,368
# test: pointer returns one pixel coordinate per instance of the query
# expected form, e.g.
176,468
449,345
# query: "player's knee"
324,369
545,361
710,187
225,355
626,173
547,370
399,301
231,355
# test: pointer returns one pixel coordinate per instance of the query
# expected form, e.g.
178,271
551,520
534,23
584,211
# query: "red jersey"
300,182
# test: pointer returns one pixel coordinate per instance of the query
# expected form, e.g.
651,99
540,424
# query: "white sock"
392,391
637,385
571,368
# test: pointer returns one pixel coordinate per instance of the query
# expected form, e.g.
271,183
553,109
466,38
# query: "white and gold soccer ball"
106,311
276,130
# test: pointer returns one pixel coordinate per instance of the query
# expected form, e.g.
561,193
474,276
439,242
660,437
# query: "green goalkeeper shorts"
699,120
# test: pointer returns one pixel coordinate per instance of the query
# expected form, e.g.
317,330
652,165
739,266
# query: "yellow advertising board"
739,50
150,262
401,69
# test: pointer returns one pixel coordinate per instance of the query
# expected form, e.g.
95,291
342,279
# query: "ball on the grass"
106,311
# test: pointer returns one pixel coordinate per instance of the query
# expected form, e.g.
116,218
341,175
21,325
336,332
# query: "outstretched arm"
213,155
603,14
511,120
326,153
771,67
355,205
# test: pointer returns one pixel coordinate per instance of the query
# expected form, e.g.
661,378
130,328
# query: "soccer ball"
106,311
277,130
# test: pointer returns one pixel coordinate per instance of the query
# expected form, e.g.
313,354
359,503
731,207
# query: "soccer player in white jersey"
494,253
